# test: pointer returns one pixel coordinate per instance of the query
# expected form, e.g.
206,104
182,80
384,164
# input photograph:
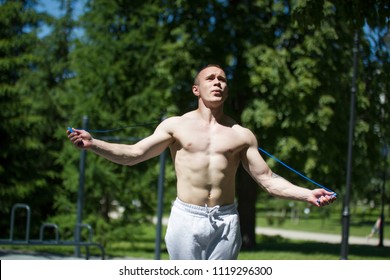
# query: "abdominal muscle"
205,179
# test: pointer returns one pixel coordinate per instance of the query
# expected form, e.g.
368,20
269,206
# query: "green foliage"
289,65
26,169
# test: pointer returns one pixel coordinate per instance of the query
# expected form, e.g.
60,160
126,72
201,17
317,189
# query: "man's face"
211,85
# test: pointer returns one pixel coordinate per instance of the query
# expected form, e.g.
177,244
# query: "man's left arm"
276,185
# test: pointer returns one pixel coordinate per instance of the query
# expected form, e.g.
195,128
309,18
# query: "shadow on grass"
278,244
143,246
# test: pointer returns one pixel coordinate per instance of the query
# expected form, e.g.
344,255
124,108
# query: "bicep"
253,162
154,144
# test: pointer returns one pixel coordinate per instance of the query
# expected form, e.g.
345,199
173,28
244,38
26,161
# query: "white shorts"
203,233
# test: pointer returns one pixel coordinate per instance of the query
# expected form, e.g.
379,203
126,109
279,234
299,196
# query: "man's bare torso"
206,157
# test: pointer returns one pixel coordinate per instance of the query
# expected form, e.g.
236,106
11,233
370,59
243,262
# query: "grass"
278,248
323,220
268,248
329,225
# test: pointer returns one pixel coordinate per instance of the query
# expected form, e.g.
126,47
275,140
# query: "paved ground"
27,255
30,255
320,237
290,234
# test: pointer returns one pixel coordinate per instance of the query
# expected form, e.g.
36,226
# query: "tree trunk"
246,195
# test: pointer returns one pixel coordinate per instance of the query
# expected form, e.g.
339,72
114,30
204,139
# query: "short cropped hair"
196,80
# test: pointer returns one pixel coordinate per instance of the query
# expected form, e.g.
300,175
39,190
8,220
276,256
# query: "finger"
329,193
324,200
319,202
329,200
73,137
79,142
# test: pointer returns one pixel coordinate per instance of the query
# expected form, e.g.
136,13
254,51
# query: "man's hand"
80,138
321,197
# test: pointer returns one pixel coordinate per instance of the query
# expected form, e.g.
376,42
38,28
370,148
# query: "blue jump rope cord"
295,171
262,150
121,128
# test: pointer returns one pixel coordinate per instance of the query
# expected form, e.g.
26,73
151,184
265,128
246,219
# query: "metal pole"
385,150
382,223
80,195
346,210
160,196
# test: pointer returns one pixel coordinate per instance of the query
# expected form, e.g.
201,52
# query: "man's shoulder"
244,133
187,117
174,122
190,115
175,119
238,127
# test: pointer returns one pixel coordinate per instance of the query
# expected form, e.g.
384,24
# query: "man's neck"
210,115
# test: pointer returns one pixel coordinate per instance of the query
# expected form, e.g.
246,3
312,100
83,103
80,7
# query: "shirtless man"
206,147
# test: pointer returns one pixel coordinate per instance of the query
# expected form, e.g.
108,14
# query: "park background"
129,64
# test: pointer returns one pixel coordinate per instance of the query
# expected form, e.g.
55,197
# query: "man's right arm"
125,154
276,185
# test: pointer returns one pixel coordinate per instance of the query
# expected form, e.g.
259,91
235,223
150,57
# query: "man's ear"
195,90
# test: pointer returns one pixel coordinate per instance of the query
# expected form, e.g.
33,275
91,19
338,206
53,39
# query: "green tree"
119,80
289,65
371,129
24,161
274,58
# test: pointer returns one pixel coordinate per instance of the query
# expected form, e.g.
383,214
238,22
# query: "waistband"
205,210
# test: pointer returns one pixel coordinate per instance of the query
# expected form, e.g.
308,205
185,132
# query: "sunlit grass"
268,248
142,245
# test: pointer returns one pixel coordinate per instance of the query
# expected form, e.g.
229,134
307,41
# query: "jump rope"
260,149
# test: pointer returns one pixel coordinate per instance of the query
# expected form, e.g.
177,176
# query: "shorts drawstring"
203,232
211,212
214,213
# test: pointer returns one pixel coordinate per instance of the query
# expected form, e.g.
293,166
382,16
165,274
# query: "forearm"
280,187
117,153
